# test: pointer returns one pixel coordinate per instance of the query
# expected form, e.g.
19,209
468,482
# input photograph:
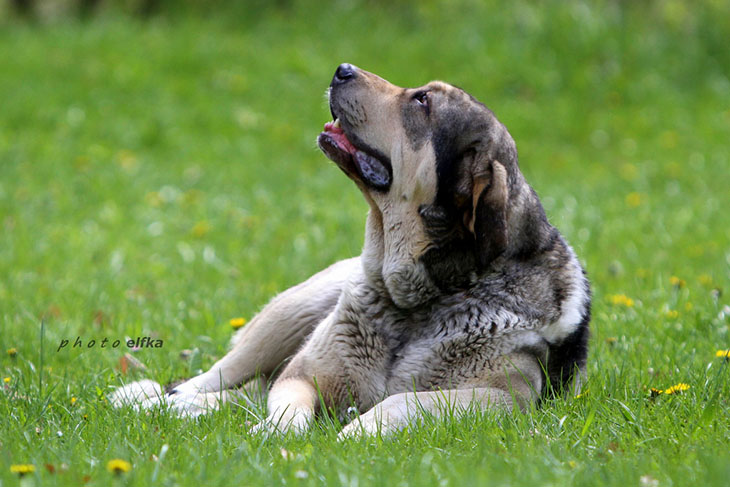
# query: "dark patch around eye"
415,122
421,98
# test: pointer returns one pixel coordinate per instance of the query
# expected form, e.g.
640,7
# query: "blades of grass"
589,420
40,372
630,417
708,412
160,458
196,362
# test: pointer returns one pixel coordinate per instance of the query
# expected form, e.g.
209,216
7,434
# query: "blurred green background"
159,173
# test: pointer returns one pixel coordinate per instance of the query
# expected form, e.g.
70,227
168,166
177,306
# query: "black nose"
344,73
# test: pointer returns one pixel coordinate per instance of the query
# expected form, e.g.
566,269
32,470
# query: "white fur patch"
135,394
572,310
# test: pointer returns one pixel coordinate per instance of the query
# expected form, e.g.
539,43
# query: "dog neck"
392,263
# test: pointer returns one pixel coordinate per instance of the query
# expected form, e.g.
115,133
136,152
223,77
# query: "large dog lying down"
464,295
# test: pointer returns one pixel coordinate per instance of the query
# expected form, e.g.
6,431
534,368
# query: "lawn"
160,177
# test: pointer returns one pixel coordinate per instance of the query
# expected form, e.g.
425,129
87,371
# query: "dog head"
441,176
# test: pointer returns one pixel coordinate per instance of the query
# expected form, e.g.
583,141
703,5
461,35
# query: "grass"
159,178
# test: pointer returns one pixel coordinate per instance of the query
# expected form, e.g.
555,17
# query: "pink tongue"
370,168
340,138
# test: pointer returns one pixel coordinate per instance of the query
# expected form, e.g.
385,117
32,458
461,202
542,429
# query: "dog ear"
488,219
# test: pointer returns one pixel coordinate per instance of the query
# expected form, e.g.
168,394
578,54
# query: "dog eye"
422,99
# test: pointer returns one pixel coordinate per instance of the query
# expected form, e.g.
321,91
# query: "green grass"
159,178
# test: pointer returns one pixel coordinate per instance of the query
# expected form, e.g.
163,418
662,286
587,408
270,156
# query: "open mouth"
355,162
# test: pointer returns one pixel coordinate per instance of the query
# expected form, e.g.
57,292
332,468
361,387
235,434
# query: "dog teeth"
336,124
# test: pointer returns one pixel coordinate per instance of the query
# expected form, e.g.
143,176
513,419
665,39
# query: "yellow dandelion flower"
621,299
695,250
127,160
22,469
672,314
677,282
628,171
73,401
118,466
583,393
237,323
633,199
723,354
656,392
669,139
153,199
676,389
6,380
705,280
12,352
200,229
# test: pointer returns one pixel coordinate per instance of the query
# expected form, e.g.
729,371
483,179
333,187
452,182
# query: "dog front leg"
291,406
271,337
397,411
293,397
277,332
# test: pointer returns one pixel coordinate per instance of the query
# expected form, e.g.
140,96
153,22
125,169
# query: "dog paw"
296,421
141,394
148,394
383,419
192,405
359,427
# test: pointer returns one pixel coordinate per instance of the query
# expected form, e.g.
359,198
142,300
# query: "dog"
464,295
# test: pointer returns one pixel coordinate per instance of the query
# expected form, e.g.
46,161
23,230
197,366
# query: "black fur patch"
170,388
490,227
567,357
450,260
451,265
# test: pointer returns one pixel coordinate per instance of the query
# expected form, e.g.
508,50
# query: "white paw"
366,424
141,394
295,420
384,419
191,405
148,394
